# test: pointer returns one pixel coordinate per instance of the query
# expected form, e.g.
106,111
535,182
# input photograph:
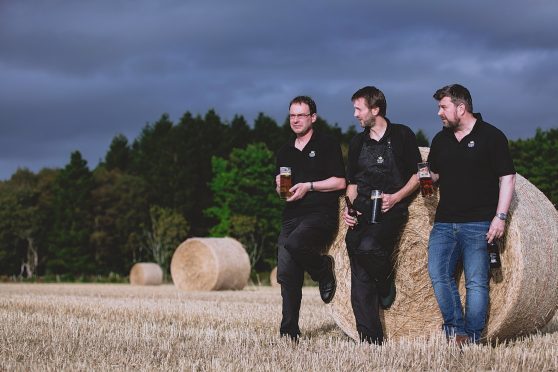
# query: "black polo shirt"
469,172
403,143
320,159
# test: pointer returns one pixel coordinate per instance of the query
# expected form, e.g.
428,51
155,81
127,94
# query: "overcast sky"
73,74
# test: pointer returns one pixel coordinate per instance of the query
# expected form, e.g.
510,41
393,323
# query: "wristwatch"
502,216
311,186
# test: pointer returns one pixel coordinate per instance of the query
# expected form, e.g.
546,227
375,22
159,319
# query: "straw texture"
146,273
209,264
523,300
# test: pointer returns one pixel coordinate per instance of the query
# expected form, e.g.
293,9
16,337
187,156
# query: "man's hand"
496,230
388,201
299,190
349,220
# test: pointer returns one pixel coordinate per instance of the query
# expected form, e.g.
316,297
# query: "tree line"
200,176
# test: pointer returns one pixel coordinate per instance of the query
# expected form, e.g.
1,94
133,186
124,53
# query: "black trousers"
370,249
300,245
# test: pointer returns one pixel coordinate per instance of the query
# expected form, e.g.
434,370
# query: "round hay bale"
523,300
209,264
273,278
146,273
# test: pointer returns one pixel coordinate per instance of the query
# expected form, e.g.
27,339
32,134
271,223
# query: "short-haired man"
310,216
382,157
470,160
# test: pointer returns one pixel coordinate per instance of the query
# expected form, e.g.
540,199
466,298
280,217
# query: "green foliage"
537,160
69,248
422,139
168,229
119,154
121,212
246,205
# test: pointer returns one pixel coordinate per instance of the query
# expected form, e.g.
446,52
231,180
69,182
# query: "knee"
371,246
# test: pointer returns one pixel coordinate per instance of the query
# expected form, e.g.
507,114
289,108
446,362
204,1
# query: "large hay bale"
146,273
273,278
522,301
209,264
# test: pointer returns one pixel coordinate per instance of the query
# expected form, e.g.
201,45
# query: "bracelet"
311,186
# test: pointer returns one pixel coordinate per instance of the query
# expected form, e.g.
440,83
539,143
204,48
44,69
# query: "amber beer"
285,182
425,179
376,199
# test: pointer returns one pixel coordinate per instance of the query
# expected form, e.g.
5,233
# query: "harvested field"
123,327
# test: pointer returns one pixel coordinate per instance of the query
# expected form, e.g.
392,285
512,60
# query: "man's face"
447,111
300,118
365,115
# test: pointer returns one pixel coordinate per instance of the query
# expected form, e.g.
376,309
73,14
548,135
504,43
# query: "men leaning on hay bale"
470,160
382,157
310,216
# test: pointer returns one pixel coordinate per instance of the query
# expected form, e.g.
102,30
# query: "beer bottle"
494,255
350,208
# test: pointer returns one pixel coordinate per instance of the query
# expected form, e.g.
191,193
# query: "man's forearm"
410,187
507,185
329,184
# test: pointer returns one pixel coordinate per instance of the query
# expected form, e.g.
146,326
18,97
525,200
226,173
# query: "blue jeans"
450,243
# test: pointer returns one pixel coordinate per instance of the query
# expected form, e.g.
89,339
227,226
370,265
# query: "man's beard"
369,123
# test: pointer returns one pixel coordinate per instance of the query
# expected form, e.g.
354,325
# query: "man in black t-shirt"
470,160
383,157
310,216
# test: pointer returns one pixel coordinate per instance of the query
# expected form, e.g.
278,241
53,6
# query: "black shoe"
293,337
387,300
329,284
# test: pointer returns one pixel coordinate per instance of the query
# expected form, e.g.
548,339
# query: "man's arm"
329,184
389,200
497,226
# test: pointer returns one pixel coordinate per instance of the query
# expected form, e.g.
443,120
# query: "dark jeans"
301,243
370,250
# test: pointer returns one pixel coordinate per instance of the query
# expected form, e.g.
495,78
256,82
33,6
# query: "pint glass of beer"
285,182
425,179
376,198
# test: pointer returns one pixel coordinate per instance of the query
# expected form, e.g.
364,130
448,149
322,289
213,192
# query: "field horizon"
122,327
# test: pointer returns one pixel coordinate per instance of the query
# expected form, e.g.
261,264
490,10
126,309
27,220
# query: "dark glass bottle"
350,208
494,255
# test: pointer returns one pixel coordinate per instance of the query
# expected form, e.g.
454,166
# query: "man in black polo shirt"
471,161
310,217
382,157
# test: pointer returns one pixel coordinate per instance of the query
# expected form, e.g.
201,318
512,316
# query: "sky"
73,74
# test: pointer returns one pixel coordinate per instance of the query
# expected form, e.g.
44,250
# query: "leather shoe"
328,285
461,340
387,300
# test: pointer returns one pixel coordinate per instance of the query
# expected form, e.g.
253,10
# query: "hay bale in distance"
209,264
522,302
146,273
273,278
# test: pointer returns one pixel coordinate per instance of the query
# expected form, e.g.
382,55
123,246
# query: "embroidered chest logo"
312,154
471,144
380,160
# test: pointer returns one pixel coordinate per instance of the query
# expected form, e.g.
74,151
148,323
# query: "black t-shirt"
469,172
320,159
399,142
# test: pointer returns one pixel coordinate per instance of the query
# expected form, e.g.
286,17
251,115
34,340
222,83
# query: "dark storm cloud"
74,74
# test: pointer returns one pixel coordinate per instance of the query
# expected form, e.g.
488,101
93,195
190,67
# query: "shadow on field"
329,329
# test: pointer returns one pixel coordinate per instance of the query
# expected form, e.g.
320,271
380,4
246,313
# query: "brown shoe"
461,340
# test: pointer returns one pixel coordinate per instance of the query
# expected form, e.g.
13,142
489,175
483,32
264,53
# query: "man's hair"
373,98
307,100
458,95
